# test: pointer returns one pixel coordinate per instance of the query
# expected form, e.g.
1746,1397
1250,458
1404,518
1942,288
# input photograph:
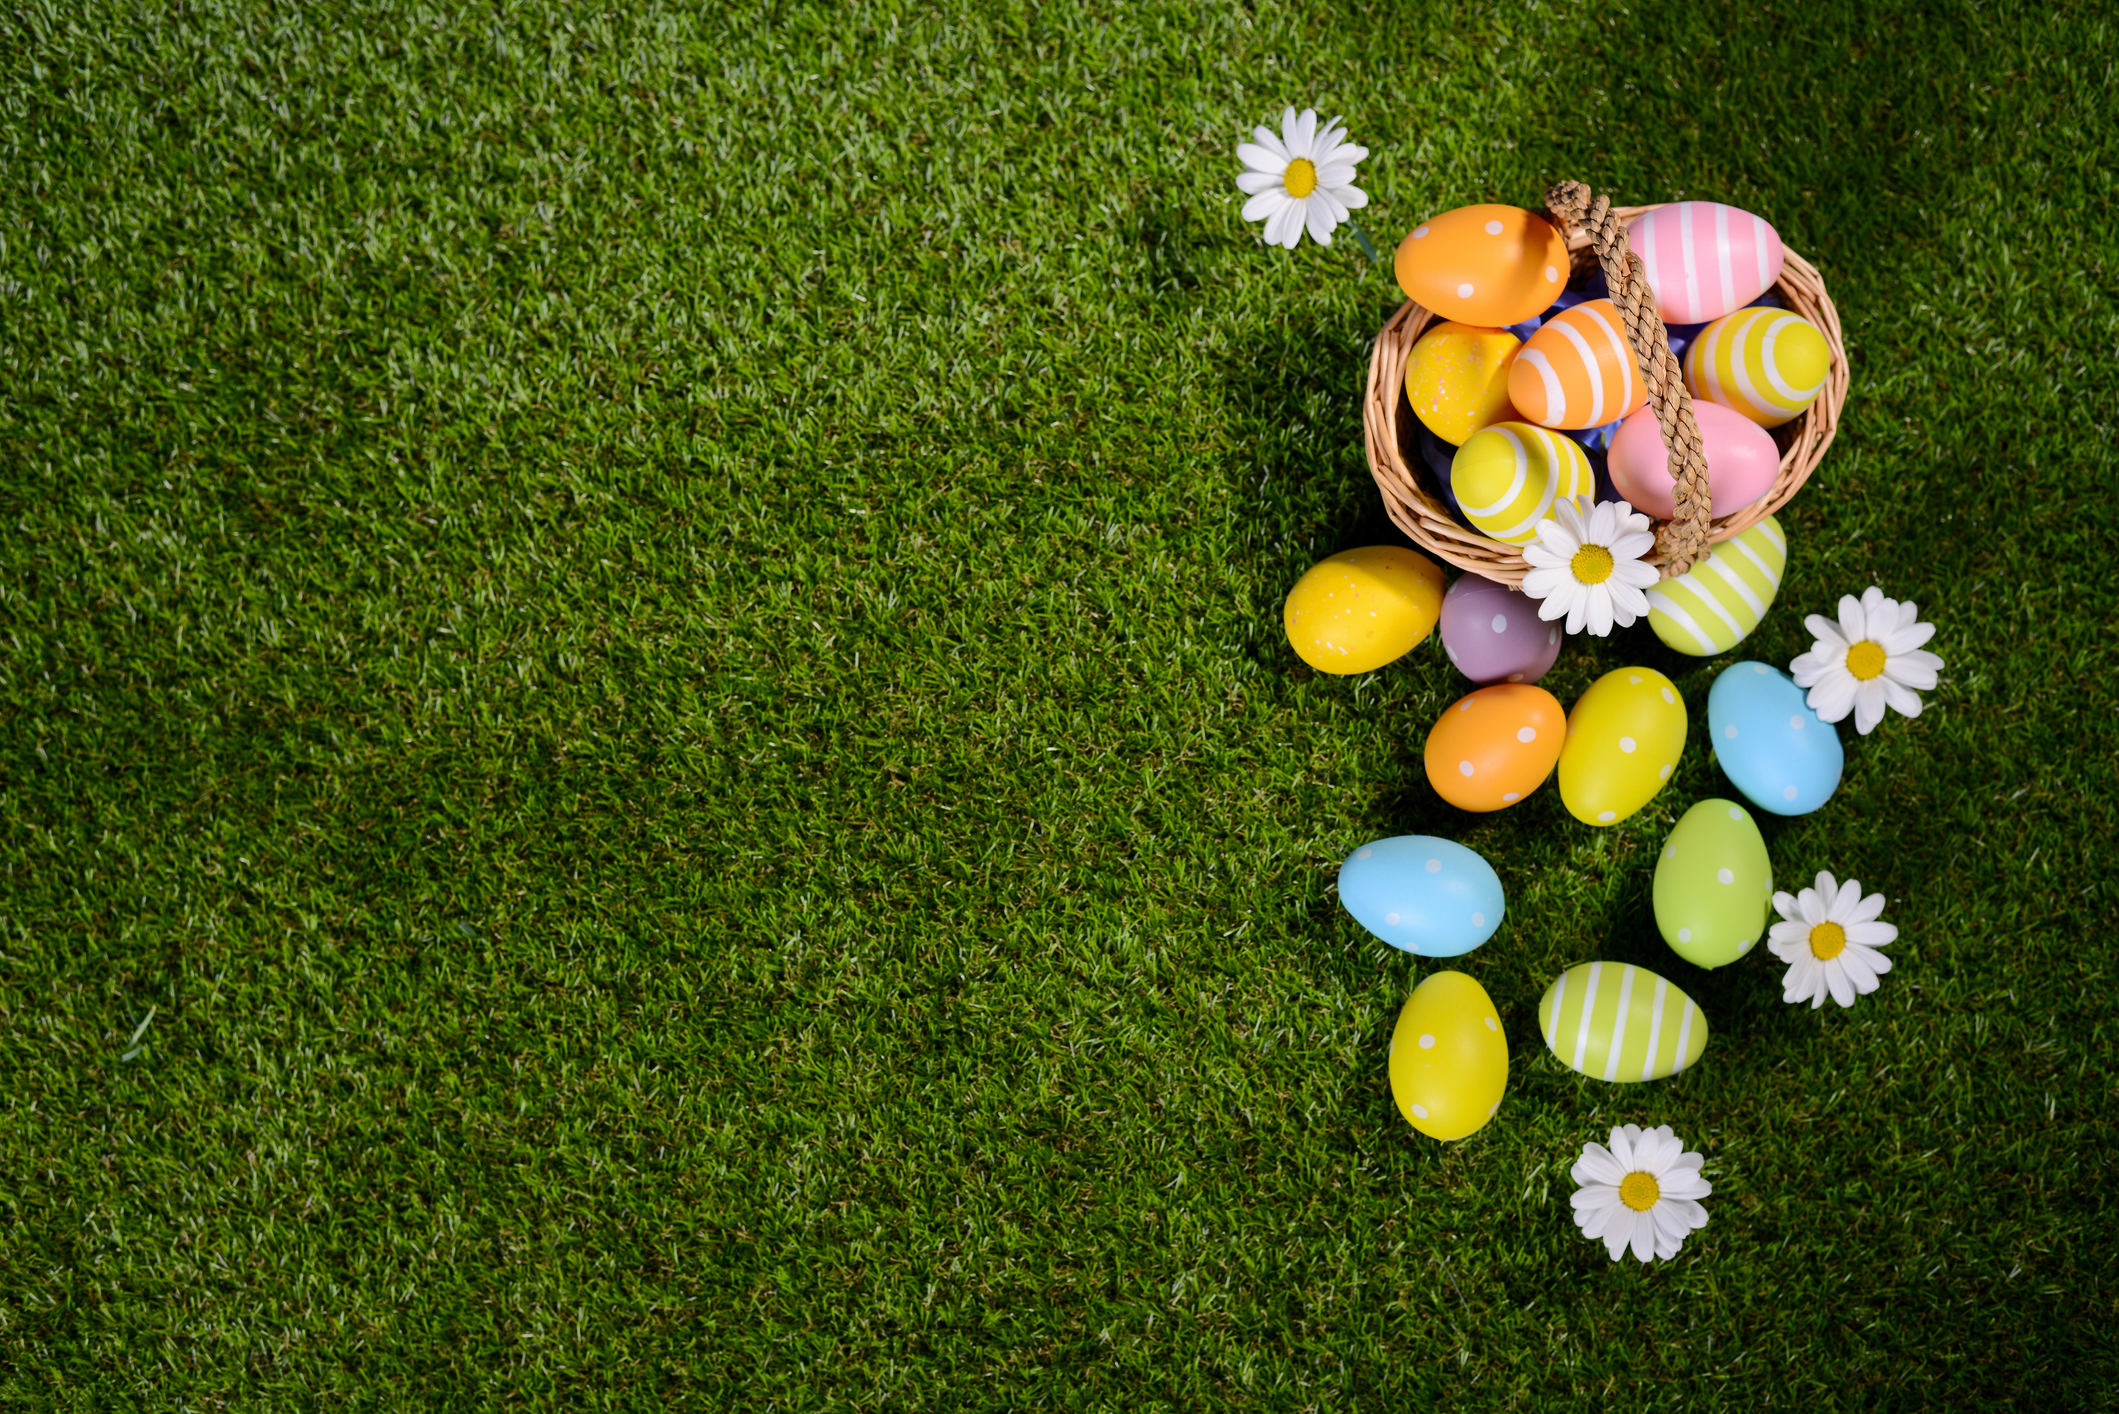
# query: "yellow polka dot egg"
1457,379
1449,1060
1360,609
1624,738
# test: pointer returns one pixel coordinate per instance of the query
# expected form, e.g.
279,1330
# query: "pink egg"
1493,633
1741,460
1705,259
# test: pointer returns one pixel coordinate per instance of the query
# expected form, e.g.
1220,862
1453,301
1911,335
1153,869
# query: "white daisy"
1830,942
1643,1192
1301,180
1586,564
1871,659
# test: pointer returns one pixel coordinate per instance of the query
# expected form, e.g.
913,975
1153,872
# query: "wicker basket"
1395,461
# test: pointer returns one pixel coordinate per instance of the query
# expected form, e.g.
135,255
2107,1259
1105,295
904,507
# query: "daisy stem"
1361,238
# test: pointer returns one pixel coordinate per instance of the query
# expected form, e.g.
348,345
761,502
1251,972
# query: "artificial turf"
650,759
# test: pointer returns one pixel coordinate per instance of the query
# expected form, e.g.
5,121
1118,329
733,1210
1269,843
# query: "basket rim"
1418,512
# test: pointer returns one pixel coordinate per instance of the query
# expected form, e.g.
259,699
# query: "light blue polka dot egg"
1429,896
1771,746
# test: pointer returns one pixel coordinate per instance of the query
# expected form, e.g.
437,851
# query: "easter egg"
1362,608
1624,738
1705,259
1741,461
1767,364
1615,1021
1769,743
1578,370
1429,896
1457,379
1449,1060
1712,606
1485,265
1492,748
1492,633
1506,477
1713,884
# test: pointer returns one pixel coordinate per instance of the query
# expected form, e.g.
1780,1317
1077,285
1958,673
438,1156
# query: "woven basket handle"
1683,537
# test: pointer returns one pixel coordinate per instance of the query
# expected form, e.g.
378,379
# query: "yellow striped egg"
1457,379
1714,606
1507,476
1614,1021
1578,370
1767,364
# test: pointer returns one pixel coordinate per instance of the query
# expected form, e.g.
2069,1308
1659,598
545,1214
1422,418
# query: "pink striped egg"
1741,461
1705,259
1578,370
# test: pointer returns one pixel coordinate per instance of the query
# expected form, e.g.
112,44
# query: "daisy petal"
1644,1236
1825,632
1907,638
1352,198
1319,221
1285,226
1253,183
1265,205
1910,671
1832,698
1258,159
1852,622
1872,935
1842,986
1336,175
1899,697
1331,204
1868,706
1269,140
1868,910
1599,611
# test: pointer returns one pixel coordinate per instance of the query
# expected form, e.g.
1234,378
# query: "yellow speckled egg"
1449,1060
1363,608
1507,476
1487,265
1624,738
1767,364
1457,379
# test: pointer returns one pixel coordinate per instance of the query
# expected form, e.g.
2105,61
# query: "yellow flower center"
1301,177
1591,564
1827,941
1865,660
1639,1191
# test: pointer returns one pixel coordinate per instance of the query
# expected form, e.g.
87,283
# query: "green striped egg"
1767,364
1711,608
1506,477
1614,1021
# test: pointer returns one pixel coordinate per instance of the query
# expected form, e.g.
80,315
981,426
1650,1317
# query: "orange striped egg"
1767,364
1578,370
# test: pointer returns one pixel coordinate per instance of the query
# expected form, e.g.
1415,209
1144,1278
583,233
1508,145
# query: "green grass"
655,642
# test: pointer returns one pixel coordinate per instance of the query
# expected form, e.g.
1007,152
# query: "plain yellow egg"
1449,1060
1363,608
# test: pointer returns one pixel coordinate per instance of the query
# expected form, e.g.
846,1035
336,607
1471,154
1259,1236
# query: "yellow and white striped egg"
1507,476
1767,364
1713,607
1577,370
1614,1021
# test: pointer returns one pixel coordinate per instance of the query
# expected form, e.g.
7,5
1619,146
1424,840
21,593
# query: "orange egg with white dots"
1496,746
1483,265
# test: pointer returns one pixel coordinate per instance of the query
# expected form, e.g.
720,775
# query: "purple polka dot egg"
1492,633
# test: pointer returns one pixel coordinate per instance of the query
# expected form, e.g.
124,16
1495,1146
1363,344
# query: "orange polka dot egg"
1483,265
1496,746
